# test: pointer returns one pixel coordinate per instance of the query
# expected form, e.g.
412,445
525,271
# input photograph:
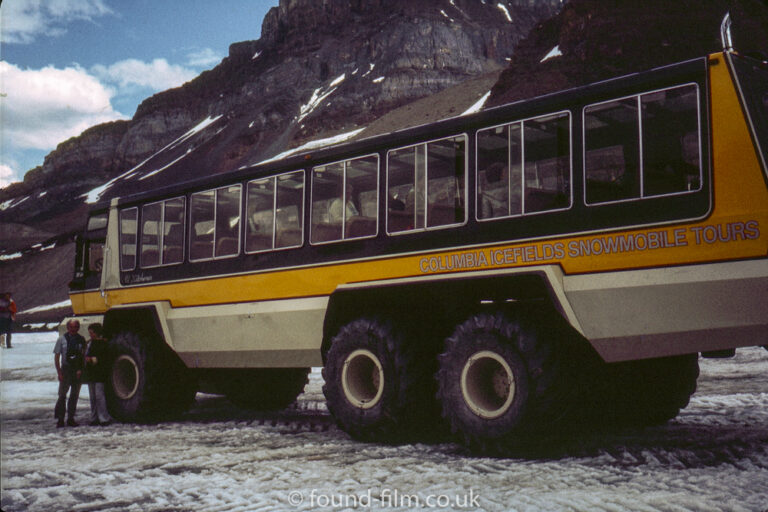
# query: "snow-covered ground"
713,457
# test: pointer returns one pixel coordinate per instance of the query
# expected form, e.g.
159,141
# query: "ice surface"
713,457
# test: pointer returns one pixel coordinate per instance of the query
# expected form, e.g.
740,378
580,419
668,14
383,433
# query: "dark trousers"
69,384
6,326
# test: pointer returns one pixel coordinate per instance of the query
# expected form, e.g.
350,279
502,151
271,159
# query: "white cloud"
157,75
41,108
23,20
203,59
7,175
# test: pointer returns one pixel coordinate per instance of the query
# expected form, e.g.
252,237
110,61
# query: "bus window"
547,168
524,167
162,233
642,146
95,256
426,185
173,231
151,217
97,222
670,141
344,200
260,204
227,221
327,212
612,153
289,214
499,178
202,214
215,231
274,209
128,220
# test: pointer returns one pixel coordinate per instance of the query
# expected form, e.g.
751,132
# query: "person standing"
7,317
69,359
95,374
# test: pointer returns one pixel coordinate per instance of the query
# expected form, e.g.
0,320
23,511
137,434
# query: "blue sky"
66,65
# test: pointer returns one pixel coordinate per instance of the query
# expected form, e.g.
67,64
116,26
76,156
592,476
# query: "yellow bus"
574,251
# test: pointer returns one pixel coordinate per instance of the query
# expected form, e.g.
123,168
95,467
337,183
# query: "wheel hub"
125,377
487,384
362,379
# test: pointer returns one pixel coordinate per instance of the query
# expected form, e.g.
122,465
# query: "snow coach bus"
506,270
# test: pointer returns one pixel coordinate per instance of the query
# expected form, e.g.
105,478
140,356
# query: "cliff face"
320,67
598,40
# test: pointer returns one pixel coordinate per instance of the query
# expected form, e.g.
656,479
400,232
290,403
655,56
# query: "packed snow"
478,105
554,52
94,195
314,144
320,94
713,457
505,11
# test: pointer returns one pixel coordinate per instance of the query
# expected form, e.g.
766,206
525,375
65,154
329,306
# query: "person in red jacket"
7,317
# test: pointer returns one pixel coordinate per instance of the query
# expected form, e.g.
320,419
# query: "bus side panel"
270,334
663,312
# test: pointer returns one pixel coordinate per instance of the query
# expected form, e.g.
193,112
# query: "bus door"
89,256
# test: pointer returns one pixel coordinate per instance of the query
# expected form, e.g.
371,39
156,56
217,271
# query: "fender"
147,319
452,293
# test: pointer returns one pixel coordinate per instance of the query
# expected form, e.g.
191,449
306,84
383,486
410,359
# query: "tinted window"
345,200
524,167
151,217
275,212
642,146
215,223
426,185
128,219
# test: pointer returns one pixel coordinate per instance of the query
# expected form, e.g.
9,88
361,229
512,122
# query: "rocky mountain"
319,67
344,67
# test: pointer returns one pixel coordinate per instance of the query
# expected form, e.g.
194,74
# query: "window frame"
427,227
275,178
135,240
160,234
215,218
522,121
641,162
345,161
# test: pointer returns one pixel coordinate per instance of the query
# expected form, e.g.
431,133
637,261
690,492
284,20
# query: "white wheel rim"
362,379
125,377
487,384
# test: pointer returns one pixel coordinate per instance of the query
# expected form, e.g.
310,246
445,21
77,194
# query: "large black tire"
507,378
644,393
146,380
265,389
375,385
